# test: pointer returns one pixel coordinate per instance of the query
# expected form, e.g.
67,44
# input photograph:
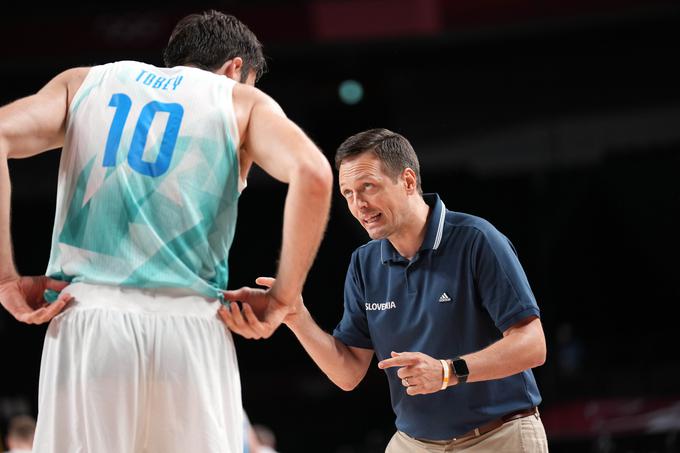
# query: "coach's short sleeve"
501,282
353,327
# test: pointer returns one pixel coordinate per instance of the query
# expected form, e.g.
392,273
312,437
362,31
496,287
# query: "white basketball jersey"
148,180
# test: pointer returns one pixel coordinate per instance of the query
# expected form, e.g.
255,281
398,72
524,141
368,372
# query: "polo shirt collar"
435,223
433,232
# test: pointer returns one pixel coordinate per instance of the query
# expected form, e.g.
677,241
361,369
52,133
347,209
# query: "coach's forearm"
7,269
521,349
304,222
334,358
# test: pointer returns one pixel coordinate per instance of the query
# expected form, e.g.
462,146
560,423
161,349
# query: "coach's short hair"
393,150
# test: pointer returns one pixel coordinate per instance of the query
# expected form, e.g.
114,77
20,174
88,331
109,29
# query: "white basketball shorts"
138,371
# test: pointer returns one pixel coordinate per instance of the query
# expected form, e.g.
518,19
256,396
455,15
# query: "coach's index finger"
265,281
398,359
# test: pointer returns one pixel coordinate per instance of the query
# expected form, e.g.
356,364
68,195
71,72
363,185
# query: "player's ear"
232,68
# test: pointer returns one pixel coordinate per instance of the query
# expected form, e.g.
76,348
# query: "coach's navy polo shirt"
463,288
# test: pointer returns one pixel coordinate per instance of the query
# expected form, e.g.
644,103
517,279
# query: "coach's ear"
232,68
408,176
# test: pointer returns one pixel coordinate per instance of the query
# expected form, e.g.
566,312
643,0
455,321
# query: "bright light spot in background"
351,91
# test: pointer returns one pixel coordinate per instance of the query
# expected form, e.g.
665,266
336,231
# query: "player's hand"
24,298
260,316
419,373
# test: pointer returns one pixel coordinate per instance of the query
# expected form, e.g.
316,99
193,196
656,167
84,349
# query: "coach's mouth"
368,220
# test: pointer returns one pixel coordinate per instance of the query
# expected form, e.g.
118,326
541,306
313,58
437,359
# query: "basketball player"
153,162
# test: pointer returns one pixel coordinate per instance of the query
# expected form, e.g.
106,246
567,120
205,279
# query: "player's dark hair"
393,150
207,40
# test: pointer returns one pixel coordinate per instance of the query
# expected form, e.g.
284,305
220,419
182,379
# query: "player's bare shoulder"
68,82
74,79
250,95
248,98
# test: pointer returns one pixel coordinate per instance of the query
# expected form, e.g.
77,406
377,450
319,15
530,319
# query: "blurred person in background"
258,438
442,300
153,163
265,438
20,432
250,444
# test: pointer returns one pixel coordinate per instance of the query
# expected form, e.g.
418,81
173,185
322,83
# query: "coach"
440,297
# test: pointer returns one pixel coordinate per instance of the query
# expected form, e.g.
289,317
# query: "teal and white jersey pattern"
148,180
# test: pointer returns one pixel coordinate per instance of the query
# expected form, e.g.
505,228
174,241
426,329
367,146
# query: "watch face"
460,367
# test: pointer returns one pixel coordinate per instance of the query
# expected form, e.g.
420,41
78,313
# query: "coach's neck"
409,236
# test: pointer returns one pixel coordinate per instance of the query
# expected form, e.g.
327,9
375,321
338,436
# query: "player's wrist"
282,296
297,319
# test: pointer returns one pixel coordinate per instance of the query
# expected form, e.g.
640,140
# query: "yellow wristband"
445,375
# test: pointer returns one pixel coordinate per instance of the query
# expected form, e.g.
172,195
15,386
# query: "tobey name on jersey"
160,83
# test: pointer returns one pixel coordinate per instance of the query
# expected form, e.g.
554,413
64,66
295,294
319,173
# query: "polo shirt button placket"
408,285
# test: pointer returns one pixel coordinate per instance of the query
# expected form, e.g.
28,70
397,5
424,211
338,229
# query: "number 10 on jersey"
123,103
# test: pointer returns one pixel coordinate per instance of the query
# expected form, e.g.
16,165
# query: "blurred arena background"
558,121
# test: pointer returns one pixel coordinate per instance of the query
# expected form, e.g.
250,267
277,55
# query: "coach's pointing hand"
419,373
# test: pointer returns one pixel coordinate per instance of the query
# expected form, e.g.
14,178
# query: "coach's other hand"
261,313
296,308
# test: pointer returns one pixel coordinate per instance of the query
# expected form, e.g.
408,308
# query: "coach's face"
375,199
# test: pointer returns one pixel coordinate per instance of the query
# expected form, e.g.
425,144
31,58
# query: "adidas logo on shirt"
444,298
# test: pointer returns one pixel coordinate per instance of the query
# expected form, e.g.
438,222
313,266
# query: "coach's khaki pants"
524,435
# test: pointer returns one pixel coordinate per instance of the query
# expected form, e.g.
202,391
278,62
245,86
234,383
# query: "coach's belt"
494,424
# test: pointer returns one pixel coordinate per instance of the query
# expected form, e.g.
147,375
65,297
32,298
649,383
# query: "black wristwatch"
460,369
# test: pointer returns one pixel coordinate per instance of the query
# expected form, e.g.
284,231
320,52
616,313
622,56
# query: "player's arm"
29,126
36,123
283,150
